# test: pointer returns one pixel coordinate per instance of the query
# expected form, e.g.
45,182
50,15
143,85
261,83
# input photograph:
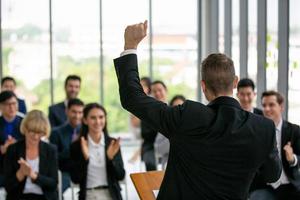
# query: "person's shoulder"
49,147
257,111
16,146
57,105
295,127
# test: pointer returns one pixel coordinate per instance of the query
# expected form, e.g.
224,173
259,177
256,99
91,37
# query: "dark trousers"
149,158
32,197
66,181
283,192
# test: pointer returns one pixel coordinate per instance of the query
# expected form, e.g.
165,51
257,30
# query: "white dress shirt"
96,174
283,177
31,187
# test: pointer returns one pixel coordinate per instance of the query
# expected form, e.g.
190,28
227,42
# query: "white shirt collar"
279,126
102,141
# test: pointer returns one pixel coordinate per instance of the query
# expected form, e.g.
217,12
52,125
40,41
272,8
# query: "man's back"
215,150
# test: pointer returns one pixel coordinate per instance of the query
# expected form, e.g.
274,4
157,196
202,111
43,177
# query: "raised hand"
84,148
25,168
289,153
10,140
113,148
134,34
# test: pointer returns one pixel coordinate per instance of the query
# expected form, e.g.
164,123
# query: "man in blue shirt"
9,84
9,124
64,135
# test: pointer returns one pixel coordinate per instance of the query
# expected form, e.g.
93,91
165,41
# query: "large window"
175,45
294,63
115,20
272,44
76,47
252,40
25,47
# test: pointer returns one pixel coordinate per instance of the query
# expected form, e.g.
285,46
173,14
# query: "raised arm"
156,114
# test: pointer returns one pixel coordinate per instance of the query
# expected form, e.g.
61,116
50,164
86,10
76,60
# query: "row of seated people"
68,120
287,136
87,155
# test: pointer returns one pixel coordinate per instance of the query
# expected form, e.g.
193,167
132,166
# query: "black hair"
84,128
8,78
159,82
246,82
72,77
176,97
5,95
76,102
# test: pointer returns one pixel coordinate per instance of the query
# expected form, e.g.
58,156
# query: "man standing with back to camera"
215,150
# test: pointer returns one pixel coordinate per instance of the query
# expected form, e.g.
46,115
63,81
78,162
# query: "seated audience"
96,158
64,135
57,112
162,144
30,165
246,95
288,144
9,84
10,122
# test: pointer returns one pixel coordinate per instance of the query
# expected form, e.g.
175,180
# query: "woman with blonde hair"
30,165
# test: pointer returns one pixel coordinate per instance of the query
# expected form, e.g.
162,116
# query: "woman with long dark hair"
97,163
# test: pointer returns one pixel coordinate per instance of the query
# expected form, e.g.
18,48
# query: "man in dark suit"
64,135
215,150
246,95
9,84
57,112
288,144
10,123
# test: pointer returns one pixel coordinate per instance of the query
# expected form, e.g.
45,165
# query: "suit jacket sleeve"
52,117
78,166
296,144
116,166
11,182
49,181
272,167
158,115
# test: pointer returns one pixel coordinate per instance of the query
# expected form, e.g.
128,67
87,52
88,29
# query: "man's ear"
203,86
235,82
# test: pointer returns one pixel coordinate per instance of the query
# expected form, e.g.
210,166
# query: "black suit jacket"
62,138
16,134
114,169
258,111
47,177
289,133
57,114
22,106
215,150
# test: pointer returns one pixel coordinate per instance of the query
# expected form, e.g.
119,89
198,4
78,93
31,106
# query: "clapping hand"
289,153
113,148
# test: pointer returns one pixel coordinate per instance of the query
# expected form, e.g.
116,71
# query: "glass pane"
252,40
76,47
25,36
294,63
113,31
272,44
236,35
221,26
175,46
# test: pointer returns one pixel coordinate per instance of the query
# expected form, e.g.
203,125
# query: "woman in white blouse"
97,163
30,165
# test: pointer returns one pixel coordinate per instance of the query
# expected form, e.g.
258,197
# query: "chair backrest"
146,182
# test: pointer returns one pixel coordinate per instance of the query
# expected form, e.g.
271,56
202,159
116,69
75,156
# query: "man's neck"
213,97
9,119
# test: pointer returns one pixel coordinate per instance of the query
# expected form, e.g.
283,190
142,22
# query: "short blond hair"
36,121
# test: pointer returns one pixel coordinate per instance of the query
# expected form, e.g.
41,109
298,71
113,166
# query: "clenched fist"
134,34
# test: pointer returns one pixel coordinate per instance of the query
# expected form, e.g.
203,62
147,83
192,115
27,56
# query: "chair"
146,182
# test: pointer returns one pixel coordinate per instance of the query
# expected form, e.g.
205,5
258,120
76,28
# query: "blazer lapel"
285,137
42,155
